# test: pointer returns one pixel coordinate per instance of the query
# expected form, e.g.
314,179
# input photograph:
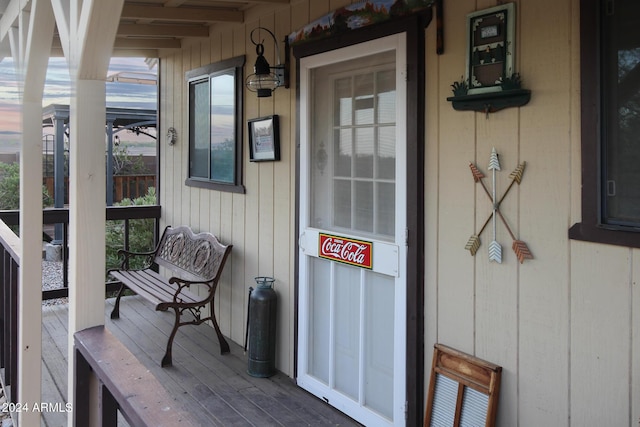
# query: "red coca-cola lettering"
350,251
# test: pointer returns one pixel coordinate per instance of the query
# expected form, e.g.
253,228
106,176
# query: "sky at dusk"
57,91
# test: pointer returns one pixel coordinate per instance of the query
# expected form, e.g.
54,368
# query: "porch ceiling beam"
5,48
135,53
131,44
38,39
94,37
130,11
124,43
9,17
62,12
56,52
14,43
270,1
23,34
174,3
162,30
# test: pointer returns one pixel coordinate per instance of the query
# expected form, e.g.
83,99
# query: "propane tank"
262,328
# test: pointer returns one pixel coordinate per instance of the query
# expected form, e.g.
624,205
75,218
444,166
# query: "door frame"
414,27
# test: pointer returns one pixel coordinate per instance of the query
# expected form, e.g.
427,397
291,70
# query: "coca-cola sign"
346,250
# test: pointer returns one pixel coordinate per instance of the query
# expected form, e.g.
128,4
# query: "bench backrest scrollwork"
194,257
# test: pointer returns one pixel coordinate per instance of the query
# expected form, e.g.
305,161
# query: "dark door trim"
414,27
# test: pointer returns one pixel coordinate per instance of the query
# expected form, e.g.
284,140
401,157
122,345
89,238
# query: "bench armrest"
127,255
182,283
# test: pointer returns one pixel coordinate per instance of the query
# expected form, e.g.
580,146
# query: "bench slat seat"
192,260
155,287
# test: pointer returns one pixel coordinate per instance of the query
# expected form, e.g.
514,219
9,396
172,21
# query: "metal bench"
191,259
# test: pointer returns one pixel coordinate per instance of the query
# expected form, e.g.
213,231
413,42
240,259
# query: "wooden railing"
125,386
61,216
9,275
124,186
10,248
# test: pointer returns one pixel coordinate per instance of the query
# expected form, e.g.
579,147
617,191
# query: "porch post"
30,282
36,33
90,26
87,214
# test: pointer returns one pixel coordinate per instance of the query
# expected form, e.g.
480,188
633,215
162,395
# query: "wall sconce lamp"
265,78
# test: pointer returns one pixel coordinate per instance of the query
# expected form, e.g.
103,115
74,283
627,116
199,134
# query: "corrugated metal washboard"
463,390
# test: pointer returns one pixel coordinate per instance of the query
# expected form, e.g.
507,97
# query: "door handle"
301,242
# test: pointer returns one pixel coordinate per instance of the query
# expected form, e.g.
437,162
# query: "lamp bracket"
281,69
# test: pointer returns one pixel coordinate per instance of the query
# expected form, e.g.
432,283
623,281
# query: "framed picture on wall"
264,139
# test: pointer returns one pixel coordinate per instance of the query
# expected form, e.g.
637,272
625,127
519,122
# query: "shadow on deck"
213,387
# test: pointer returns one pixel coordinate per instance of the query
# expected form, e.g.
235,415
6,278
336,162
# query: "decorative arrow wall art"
495,250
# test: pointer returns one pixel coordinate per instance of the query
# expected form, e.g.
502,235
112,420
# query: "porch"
212,387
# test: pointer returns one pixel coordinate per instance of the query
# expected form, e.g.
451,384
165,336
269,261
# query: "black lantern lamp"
265,78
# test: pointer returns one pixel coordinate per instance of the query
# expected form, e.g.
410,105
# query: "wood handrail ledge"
61,215
124,383
10,241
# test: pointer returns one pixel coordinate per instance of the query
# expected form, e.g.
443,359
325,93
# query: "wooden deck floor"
214,387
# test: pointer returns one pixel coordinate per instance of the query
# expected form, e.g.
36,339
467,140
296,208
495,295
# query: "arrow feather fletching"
477,175
473,244
495,252
521,250
516,175
494,163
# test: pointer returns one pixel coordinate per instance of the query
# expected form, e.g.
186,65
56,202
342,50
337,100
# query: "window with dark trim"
215,126
610,90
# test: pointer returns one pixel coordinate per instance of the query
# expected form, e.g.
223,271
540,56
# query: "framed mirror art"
490,82
490,48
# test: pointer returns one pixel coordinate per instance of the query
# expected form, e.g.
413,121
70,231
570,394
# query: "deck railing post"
4,307
14,282
109,407
82,382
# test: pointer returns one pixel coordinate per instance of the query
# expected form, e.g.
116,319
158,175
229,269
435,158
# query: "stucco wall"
562,325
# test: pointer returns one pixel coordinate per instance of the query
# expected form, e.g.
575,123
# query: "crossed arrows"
495,250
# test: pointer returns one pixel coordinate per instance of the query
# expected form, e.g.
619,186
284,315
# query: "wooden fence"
124,186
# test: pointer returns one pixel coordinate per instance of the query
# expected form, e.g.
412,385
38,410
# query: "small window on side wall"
610,92
215,126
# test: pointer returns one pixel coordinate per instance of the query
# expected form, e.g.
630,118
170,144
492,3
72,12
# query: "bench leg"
115,313
167,359
224,345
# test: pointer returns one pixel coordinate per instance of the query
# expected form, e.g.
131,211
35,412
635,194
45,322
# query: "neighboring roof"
122,117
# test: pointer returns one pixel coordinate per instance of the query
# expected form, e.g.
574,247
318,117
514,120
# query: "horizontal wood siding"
564,326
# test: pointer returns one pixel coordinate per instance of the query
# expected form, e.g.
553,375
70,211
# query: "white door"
352,306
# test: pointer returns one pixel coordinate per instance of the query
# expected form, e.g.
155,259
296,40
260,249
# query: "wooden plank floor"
214,387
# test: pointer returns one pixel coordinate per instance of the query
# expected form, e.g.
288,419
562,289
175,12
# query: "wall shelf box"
490,102
490,83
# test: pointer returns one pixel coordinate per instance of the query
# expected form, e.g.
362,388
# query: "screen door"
352,299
